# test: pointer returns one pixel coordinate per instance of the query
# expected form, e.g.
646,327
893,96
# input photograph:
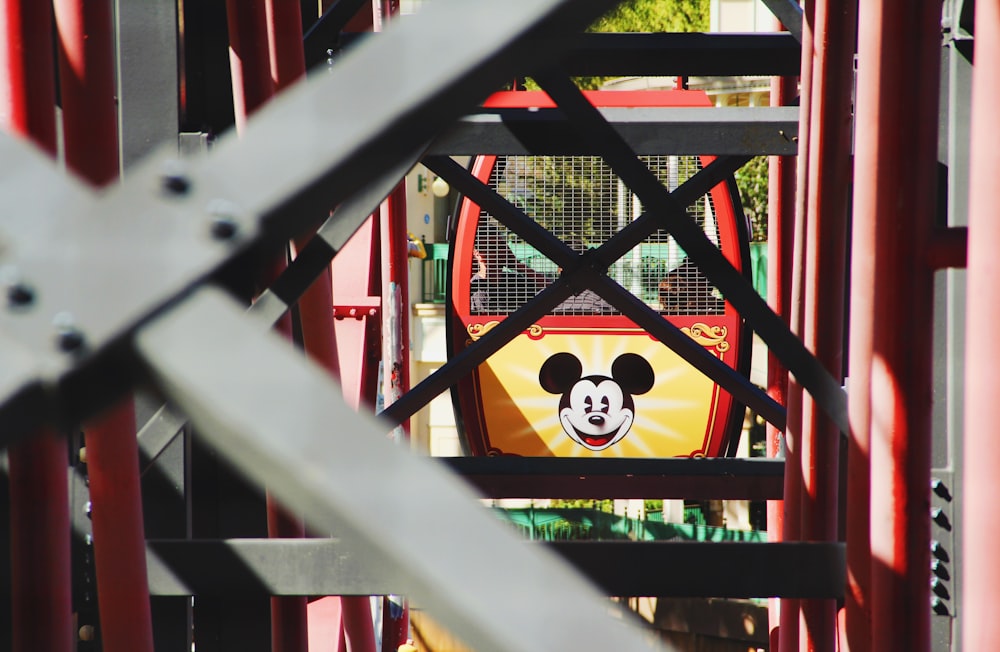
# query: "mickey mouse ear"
559,372
633,372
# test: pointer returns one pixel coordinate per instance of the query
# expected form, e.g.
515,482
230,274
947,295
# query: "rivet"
940,489
68,336
939,517
86,633
223,228
19,295
174,180
224,214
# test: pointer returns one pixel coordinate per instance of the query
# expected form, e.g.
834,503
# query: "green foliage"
751,179
606,506
645,16
655,16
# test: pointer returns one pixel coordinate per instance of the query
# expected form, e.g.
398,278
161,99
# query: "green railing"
571,523
434,273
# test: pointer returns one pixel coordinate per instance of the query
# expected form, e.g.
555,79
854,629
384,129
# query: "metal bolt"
939,607
224,213
939,551
19,295
223,228
941,489
68,336
940,569
86,633
939,517
174,180
940,589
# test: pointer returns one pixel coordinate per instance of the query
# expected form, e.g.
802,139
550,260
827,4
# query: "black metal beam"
723,569
568,478
689,54
668,214
584,271
325,32
718,569
747,131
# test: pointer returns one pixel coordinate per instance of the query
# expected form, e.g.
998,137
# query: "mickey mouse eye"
588,404
605,405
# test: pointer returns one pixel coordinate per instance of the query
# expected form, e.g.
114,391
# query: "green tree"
751,179
646,16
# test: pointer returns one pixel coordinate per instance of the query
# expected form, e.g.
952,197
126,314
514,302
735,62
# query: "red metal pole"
825,262
90,131
261,55
781,207
857,602
87,88
41,600
119,539
981,627
896,156
249,58
39,545
789,615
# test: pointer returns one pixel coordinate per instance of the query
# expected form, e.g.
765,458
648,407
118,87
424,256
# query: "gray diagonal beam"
276,418
752,131
101,268
166,424
789,12
809,372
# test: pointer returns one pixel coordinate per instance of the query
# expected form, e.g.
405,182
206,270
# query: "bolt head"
20,295
224,228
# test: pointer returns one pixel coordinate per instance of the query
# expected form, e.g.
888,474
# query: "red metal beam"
265,54
87,88
41,607
781,207
41,601
90,131
829,174
981,627
788,640
249,57
896,156
948,248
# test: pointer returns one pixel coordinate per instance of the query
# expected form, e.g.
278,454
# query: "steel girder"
82,290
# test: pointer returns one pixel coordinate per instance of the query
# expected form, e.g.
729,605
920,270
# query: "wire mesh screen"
582,201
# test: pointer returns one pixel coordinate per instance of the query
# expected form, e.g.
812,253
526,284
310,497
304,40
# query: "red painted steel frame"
41,604
827,194
896,156
981,627
90,131
781,206
791,525
251,61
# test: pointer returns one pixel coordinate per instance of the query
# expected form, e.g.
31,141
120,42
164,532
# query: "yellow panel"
671,419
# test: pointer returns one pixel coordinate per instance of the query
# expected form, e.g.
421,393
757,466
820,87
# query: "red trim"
621,99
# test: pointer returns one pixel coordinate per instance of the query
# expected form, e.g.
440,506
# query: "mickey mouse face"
596,411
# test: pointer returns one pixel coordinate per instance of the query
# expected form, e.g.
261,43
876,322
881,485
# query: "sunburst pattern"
523,418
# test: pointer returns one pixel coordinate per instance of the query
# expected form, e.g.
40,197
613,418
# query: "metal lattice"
583,202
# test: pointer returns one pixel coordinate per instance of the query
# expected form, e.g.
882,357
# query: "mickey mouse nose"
596,420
